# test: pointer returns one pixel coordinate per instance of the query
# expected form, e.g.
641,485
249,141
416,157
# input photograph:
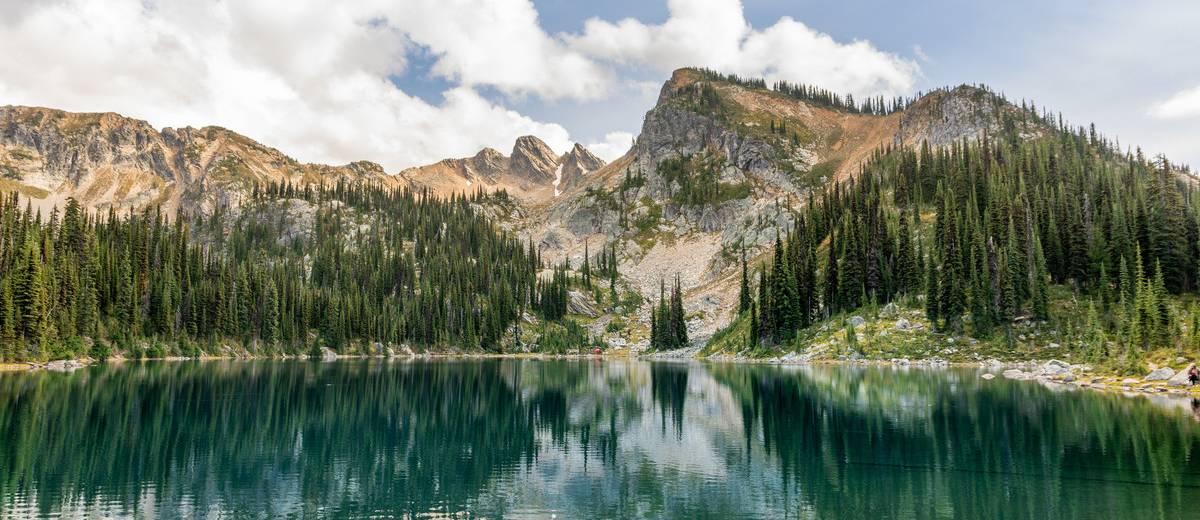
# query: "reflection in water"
511,438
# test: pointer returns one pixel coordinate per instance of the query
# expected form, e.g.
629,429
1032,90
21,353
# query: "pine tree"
744,298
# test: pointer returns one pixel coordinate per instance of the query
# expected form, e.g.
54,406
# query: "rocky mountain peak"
533,161
489,162
575,164
945,116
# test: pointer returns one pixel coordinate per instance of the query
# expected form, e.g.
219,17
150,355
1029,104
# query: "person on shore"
1193,375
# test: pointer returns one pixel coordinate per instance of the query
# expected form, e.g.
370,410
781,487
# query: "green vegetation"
1014,222
377,267
816,95
668,324
696,180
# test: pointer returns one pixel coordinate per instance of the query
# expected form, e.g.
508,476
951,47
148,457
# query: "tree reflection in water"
501,438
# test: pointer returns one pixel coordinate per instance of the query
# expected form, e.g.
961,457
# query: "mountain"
107,160
723,163
723,167
532,172
720,164
575,165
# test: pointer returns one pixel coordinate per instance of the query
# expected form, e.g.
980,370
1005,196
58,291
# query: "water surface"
582,439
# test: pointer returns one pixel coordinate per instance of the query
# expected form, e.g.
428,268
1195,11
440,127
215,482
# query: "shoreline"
1030,370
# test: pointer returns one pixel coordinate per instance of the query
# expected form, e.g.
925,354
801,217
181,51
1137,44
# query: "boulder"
1017,374
1161,374
890,310
857,321
64,365
903,324
1129,381
1181,378
1055,367
327,354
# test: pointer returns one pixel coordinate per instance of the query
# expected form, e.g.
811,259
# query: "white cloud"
312,78
499,43
1183,104
714,33
920,53
309,78
614,145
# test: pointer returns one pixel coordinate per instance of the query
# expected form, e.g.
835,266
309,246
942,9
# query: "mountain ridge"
720,165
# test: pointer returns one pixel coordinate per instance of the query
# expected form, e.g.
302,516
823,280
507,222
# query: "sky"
409,82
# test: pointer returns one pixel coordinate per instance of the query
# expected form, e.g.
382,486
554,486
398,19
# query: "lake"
582,439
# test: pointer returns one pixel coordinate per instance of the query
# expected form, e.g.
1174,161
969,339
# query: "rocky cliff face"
946,116
533,172
532,161
576,164
107,160
719,166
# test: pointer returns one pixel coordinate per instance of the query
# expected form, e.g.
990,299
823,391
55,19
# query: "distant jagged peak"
488,162
532,160
574,165
582,156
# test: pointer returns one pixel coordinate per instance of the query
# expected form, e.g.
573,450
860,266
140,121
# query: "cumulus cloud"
614,145
315,79
1183,104
715,34
310,78
501,44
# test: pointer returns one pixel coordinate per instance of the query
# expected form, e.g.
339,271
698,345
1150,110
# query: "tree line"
376,266
982,229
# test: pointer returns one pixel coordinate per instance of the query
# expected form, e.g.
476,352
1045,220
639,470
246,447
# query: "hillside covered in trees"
981,229
996,239
366,268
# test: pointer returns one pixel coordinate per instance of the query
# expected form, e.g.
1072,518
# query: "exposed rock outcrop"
576,164
107,160
532,161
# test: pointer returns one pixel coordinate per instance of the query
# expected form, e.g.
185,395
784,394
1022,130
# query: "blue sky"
1108,62
407,82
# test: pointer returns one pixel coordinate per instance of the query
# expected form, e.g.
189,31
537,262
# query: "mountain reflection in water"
582,439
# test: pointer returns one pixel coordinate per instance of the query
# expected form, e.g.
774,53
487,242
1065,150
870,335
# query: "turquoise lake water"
582,439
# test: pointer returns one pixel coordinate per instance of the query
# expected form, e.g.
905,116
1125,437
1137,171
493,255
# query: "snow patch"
557,179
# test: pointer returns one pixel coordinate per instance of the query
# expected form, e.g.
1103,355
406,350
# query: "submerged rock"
1017,374
64,365
988,376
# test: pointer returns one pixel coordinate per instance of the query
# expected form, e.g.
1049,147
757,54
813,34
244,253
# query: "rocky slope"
532,172
107,160
718,165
